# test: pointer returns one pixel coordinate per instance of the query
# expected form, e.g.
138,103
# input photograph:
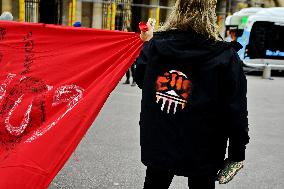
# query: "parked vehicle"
261,32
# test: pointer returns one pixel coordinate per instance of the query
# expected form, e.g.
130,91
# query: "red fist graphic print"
173,90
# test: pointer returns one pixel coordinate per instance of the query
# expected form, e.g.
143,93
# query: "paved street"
108,157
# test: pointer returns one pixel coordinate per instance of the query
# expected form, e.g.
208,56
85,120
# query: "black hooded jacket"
193,101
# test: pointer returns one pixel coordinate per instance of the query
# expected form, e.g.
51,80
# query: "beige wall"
7,5
78,11
282,3
11,6
171,3
97,15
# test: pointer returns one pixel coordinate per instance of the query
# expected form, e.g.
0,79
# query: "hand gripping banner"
53,82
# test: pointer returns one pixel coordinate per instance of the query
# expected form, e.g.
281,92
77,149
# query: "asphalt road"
108,157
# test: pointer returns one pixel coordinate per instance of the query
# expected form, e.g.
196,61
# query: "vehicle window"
266,41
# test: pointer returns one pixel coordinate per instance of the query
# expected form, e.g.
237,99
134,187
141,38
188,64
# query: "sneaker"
133,84
127,82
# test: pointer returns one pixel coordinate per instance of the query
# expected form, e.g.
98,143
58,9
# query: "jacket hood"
189,45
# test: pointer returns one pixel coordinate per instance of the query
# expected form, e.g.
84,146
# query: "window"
87,14
31,10
266,41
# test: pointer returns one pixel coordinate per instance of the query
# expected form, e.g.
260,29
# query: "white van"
261,32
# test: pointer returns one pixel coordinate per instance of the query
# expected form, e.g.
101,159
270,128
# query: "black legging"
161,179
128,73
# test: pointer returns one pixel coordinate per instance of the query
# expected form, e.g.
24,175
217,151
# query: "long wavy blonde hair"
199,15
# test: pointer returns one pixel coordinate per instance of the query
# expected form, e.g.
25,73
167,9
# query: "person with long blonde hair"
193,100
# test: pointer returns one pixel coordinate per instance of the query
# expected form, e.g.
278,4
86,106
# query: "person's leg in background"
157,179
127,77
201,183
132,73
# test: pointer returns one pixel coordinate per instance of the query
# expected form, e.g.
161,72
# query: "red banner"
53,82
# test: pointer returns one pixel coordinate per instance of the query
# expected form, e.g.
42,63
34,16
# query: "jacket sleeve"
140,64
236,108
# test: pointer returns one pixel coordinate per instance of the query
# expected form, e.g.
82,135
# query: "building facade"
110,14
103,14
119,14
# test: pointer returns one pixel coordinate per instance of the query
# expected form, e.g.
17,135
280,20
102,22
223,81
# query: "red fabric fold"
53,82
